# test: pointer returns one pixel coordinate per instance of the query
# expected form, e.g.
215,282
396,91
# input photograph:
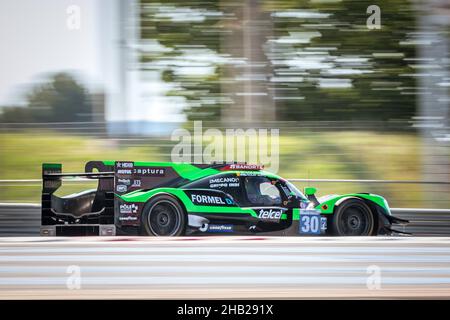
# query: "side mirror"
310,191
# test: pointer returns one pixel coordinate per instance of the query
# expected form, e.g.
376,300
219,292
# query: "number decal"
304,225
314,223
310,224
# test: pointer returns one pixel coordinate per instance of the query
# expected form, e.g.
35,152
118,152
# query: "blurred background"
109,79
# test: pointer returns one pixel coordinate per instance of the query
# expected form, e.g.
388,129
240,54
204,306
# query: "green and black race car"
176,199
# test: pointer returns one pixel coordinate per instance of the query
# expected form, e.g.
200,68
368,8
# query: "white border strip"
293,180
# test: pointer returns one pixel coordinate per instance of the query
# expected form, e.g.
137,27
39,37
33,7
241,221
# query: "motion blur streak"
19,219
224,267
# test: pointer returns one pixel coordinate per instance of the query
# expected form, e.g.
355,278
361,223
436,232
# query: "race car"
183,199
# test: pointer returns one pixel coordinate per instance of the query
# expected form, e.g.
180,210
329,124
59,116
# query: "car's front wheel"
353,218
163,216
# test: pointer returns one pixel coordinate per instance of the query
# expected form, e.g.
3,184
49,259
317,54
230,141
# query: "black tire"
163,216
353,217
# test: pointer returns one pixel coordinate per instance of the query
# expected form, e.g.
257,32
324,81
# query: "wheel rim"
355,221
164,219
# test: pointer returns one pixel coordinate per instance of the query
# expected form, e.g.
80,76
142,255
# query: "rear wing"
52,175
97,206
119,176
93,207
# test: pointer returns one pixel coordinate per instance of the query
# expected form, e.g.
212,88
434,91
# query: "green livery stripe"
108,162
143,196
331,202
198,174
296,214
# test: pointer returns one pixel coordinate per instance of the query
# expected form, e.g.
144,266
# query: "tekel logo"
270,214
128,208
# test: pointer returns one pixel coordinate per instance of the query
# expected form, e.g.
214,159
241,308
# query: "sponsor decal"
136,183
125,168
128,208
125,171
128,218
210,198
126,182
229,182
323,223
216,228
204,199
243,166
121,188
229,201
270,214
224,180
248,174
150,171
124,165
128,168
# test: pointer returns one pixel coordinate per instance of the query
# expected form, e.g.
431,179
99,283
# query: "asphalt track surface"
224,267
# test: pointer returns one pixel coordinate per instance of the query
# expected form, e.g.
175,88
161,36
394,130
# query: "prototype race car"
175,199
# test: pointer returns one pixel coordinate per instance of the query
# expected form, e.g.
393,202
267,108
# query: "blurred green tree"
347,71
184,38
323,62
61,99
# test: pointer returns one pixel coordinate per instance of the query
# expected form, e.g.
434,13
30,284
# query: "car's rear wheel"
163,216
353,218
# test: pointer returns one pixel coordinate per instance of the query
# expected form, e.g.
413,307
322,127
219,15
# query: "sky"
36,39
39,37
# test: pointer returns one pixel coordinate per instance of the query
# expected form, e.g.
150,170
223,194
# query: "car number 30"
310,224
